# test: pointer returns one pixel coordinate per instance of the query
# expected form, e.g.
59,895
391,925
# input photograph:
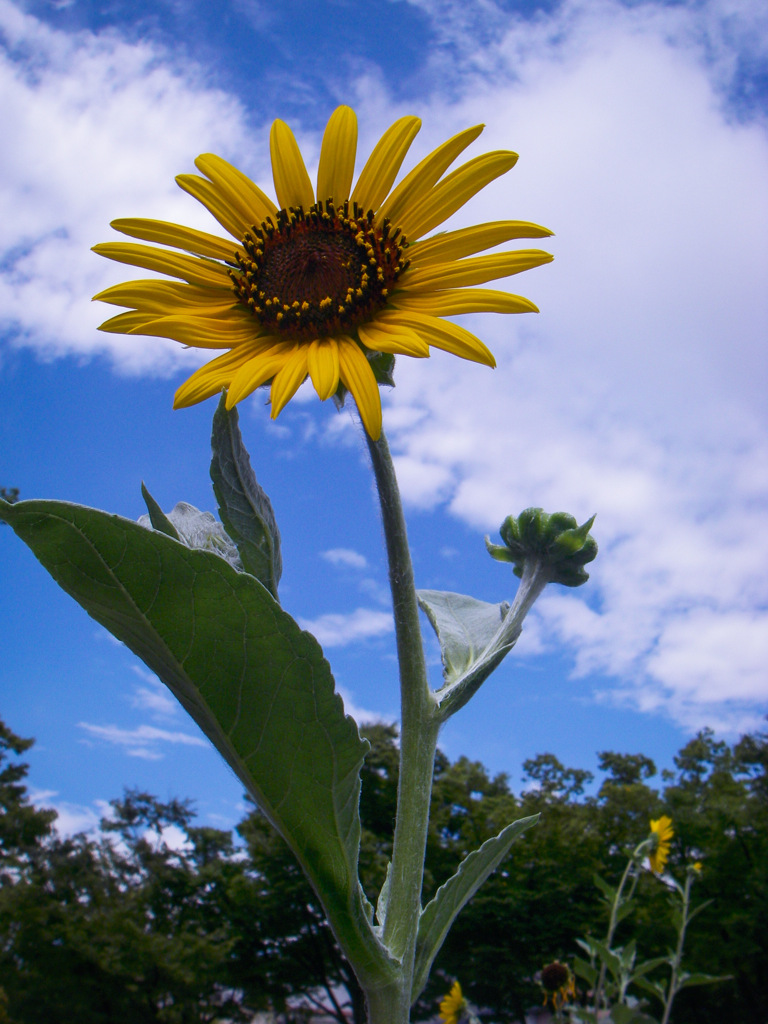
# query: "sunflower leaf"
244,507
255,683
440,913
699,978
585,970
622,1014
157,517
464,627
472,642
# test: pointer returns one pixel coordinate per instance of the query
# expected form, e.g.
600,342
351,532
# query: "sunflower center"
320,271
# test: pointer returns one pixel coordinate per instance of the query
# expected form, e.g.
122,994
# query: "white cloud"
144,742
339,630
71,818
639,391
93,128
154,697
345,556
363,716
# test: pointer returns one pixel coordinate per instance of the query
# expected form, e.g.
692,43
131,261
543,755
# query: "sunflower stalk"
677,958
619,903
418,742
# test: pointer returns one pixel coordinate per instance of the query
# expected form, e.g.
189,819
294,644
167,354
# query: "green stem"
617,902
678,958
419,726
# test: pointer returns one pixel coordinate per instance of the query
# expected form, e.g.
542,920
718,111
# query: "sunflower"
326,279
453,1006
661,833
558,983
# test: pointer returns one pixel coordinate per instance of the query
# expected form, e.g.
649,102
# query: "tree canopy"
127,925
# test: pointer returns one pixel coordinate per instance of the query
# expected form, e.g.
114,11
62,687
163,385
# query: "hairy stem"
419,725
678,957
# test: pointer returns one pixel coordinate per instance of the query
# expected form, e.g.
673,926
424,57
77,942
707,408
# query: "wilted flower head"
558,983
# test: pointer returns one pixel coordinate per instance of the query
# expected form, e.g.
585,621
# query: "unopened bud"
555,543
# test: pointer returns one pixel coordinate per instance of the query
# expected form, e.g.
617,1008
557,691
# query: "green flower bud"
559,546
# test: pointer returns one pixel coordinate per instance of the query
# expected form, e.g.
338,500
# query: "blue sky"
638,392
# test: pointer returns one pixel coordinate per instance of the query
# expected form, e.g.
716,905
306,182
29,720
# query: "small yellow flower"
453,1005
558,983
661,832
329,276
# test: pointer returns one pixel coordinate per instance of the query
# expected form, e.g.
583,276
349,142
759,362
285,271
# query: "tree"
125,926
22,826
719,803
99,931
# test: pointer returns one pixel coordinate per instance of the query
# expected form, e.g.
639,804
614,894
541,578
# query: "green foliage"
474,639
22,826
158,519
244,507
168,602
464,627
440,913
95,931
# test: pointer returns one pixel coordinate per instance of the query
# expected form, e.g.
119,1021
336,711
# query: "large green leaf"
256,684
244,506
440,913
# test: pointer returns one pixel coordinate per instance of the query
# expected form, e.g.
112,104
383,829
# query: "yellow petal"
421,179
454,301
125,323
323,367
443,334
337,156
477,270
380,171
191,269
198,242
257,371
453,191
212,377
242,194
168,297
200,331
455,245
207,194
292,183
357,376
288,379
395,342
